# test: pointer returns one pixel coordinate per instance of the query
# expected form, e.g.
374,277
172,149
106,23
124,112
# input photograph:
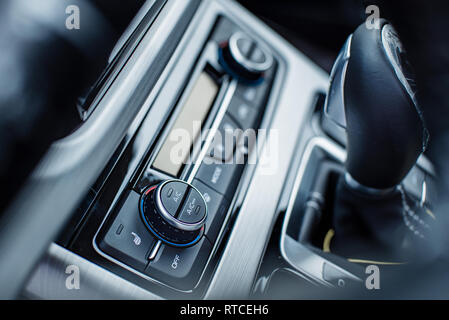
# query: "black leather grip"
385,130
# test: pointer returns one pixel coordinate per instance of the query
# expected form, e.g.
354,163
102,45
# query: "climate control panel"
169,223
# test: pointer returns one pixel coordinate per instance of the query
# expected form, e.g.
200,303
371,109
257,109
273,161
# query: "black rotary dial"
175,212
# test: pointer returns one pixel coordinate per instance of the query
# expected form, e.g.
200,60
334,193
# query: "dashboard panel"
242,209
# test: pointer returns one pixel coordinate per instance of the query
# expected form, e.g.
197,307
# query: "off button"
181,268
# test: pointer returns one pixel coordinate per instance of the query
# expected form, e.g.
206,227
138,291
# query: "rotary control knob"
174,211
244,58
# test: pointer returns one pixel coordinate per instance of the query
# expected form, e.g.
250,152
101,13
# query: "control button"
248,65
127,239
180,268
194,208
225,140
217,207
171,195
243,113
222,177
254,95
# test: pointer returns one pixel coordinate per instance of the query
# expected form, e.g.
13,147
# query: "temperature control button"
175,212
244,58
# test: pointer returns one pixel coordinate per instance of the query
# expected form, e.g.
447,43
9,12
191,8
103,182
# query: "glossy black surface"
127,238
180,268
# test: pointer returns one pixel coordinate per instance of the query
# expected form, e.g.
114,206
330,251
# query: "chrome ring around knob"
245,62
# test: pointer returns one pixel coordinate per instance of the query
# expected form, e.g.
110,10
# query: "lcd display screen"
186,130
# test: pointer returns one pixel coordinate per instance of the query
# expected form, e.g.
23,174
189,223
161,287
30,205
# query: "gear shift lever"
385,130
371,80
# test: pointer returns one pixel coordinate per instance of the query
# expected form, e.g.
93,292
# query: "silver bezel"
251,66
298,255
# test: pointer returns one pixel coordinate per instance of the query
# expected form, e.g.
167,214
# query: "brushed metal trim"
49,280
66,160
246,245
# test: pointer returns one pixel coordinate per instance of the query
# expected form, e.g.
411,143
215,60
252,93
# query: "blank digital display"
195,110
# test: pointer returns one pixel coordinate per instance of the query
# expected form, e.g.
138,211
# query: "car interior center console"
163,224
208,220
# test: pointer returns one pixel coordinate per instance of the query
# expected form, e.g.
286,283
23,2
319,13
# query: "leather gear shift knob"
384,125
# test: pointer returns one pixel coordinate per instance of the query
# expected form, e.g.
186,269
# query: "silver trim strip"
219,117
49,280
296,254
423,194
155,250
354,184
295,92
131,28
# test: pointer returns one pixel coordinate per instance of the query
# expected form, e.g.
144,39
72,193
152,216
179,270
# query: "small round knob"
175,212
245,59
